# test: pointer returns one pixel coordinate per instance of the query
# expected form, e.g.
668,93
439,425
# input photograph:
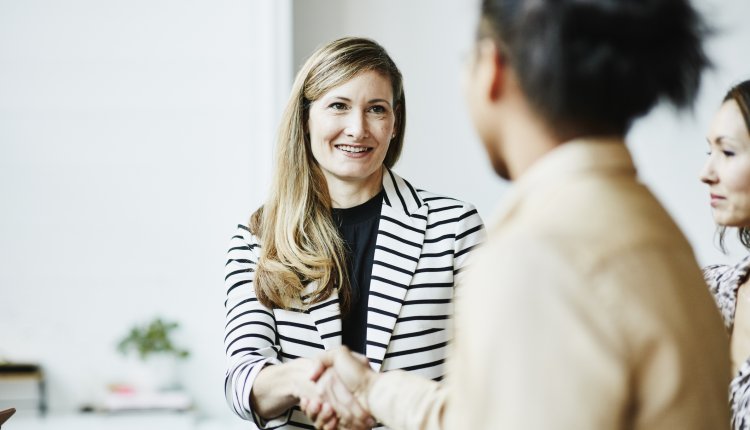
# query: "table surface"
123,421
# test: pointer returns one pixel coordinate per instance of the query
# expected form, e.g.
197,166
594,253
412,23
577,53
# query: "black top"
358,227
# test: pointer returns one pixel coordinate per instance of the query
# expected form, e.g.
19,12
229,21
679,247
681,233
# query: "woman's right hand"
339,403
281,386
309,399
321,414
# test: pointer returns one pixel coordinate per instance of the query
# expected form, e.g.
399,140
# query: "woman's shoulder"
716,274
244,238
724,276
440,203
409,194
723,281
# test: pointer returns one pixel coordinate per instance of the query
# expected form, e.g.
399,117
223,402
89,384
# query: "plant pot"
155,372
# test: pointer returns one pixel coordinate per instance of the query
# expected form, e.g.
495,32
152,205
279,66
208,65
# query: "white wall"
133,137
428,39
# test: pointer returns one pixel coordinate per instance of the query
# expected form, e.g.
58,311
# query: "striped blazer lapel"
327,318
403,220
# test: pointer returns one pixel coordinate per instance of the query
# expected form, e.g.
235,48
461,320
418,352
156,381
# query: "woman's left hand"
321,414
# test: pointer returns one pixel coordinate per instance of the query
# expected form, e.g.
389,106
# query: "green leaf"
151,339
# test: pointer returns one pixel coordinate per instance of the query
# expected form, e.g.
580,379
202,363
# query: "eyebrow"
722,140
717,140
371,101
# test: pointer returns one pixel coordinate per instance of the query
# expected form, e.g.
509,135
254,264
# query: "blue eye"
378,109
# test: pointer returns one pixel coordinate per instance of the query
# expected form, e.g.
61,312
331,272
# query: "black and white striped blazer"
422,246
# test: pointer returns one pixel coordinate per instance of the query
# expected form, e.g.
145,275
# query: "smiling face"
727,170
351,127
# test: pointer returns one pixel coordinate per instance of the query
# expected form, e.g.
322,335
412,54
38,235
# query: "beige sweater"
586,310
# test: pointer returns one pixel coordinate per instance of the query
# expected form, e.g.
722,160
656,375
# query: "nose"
356,126
707,174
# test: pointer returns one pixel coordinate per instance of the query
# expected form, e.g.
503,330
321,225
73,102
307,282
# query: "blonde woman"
344,251
727,173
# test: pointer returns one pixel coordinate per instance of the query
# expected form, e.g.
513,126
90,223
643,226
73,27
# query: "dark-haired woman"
727,173
586,309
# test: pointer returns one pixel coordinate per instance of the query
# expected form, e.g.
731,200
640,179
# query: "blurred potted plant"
156,366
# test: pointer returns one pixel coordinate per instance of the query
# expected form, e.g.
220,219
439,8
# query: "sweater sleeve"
402,400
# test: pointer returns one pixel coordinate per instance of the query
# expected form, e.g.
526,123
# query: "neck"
349,193
524,140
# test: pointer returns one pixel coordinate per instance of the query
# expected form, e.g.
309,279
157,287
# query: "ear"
492,68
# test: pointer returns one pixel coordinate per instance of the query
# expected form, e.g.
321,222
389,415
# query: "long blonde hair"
299,240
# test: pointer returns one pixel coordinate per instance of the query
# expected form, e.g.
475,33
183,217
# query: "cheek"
388,136
388,128
736,177
322,128
382,133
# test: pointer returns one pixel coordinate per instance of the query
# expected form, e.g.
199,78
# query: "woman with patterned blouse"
727,173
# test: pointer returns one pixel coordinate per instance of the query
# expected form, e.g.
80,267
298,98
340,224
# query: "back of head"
594,66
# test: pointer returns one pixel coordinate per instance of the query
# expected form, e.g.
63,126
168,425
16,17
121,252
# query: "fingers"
327,418
321,414
353,370
361,358
310,407
327,357
318,367
351,414
338,374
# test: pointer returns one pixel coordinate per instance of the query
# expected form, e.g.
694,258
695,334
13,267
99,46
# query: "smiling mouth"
353,149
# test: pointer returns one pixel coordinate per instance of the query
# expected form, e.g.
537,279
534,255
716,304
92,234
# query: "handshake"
335,397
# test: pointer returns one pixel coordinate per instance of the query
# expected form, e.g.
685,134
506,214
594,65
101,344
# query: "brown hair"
740,93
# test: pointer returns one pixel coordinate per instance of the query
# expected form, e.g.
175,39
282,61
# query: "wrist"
369,379
270,393
298,378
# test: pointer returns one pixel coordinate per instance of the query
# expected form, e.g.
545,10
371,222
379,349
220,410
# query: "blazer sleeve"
470,233
250,340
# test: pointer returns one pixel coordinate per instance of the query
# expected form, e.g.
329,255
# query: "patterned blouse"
724,281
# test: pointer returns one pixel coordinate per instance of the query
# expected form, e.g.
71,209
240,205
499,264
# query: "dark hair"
740,93
594,66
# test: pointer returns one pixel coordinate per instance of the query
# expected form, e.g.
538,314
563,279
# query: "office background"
135,135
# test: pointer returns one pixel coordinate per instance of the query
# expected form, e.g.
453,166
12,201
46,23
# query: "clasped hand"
342,379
